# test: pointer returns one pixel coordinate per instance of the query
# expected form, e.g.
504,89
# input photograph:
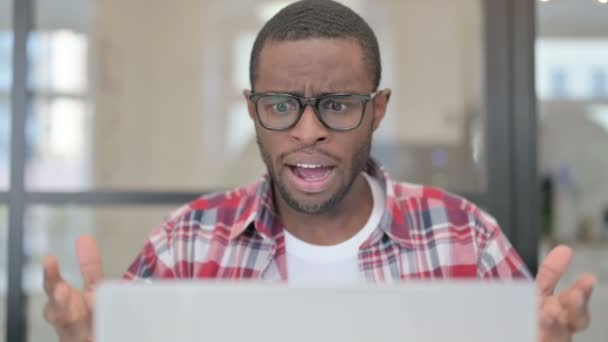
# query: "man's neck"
335,226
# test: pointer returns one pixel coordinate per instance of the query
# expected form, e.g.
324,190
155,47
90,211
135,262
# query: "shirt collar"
256,210
394,222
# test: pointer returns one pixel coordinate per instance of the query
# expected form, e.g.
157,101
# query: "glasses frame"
314,103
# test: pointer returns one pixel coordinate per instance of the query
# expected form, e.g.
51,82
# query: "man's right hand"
68,309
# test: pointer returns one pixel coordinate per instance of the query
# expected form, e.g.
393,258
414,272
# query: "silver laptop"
240,312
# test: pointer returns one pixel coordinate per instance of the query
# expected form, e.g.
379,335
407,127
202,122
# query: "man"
326,212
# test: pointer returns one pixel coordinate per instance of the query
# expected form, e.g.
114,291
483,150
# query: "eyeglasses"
339,112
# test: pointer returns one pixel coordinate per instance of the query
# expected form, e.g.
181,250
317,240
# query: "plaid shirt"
424,233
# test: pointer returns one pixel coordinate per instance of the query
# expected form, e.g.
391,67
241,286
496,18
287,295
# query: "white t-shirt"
336,264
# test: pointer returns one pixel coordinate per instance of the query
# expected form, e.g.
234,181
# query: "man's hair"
318,19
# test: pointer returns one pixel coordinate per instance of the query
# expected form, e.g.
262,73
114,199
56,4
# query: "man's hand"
69,310
563,314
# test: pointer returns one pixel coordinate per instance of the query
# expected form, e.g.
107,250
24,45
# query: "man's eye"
281,107
335,106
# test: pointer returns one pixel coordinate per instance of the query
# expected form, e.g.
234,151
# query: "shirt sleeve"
497,257
154,260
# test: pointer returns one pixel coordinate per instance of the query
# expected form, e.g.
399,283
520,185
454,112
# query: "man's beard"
358,164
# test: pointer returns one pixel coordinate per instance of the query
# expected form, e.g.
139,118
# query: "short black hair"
319,19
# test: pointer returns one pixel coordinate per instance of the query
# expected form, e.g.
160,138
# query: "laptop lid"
237,312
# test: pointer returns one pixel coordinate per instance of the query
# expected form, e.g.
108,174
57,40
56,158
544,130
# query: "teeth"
309,166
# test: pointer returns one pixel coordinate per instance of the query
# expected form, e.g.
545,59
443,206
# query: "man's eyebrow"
289,92
336,92
301,94
294,93
325,93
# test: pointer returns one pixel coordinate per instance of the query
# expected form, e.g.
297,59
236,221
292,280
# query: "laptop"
189,311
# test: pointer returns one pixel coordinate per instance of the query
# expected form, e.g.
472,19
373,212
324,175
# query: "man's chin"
311,208
311,204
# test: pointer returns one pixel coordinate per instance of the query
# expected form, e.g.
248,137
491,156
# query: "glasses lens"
342,111
278,111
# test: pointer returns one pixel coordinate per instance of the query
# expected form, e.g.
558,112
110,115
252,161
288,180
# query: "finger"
61,295
56,309
90,299
57,304
50,313
551,321
52,275
576,303
579,294
577,312
89,261
552,269
586,283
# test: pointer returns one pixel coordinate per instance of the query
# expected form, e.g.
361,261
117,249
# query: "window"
6,75
599,81
119,230
571,68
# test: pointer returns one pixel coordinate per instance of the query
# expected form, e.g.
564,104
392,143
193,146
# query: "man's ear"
250,105
380,105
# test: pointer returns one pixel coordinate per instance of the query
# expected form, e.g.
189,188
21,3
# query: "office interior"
115,112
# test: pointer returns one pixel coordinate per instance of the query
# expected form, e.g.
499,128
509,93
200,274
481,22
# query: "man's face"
312,166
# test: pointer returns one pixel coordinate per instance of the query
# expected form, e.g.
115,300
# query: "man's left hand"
562,314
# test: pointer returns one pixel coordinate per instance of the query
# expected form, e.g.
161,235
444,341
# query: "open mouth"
311,172
311,177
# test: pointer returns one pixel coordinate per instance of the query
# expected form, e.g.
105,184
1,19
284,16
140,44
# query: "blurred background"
114,112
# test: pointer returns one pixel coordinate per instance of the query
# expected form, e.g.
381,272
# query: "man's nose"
309,130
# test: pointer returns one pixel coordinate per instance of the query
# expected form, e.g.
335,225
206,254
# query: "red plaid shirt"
424,233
